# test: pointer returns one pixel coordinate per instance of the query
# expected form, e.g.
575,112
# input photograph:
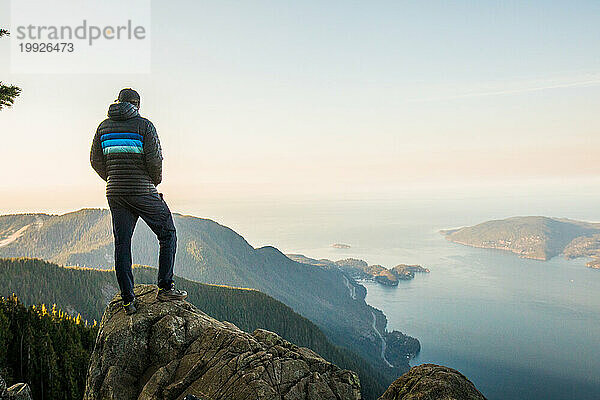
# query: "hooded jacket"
126,152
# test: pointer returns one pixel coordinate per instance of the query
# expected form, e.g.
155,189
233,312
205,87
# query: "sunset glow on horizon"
271,100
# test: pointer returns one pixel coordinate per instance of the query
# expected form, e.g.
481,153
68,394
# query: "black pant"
154,211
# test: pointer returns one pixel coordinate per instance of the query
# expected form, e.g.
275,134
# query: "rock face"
20,391
432,382
170,350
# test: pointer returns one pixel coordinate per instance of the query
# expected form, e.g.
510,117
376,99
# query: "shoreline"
503,249
383,341
593,263
377,314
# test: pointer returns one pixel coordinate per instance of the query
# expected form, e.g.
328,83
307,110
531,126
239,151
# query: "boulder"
20,391
432,382
172,350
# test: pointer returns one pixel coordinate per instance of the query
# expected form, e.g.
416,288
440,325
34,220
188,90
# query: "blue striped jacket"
126,152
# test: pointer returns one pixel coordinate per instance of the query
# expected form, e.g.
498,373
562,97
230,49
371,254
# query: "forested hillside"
86,291
45,347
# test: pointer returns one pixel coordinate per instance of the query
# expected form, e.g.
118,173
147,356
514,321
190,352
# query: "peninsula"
534,237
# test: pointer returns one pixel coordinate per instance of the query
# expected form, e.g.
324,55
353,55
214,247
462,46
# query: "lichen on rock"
432,382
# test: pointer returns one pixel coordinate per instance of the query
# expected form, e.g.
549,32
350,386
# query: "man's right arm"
97,157
153,154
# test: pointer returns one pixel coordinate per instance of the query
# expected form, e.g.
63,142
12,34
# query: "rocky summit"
432,382
172,350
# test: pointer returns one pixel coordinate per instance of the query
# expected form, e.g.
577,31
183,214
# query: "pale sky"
264,99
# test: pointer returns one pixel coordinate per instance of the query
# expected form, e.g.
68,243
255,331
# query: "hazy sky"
259,99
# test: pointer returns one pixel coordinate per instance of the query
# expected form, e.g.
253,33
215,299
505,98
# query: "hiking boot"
129,307
169,294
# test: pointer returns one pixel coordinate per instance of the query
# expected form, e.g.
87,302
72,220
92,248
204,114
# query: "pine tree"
49,353
8,93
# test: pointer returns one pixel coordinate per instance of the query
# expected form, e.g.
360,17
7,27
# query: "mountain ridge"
212,253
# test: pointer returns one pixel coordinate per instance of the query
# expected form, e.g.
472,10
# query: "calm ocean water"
519,329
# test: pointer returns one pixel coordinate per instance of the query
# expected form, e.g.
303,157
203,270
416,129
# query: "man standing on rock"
126,153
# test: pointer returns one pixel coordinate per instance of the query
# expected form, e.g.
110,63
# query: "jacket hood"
122,111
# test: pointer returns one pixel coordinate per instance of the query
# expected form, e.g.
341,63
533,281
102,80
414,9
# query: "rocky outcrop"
20,391
594,264
359,269
432,382
172,350
407,272
386,279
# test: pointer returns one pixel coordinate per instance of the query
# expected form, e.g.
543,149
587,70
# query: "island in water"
361,270
340,246
535,237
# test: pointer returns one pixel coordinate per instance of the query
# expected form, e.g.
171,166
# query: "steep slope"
539,238
168,350
87,292
211,253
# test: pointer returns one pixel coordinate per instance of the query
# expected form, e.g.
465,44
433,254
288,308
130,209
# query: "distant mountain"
212,253
539,238
87,291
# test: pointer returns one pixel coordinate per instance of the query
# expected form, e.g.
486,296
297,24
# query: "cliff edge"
174,351
169,350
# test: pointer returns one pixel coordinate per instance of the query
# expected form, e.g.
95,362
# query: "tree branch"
10,92
8,95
